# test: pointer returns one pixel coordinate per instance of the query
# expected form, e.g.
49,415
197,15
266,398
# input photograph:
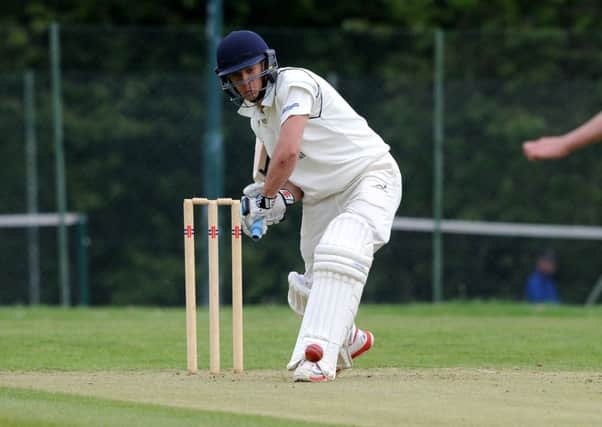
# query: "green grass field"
126,366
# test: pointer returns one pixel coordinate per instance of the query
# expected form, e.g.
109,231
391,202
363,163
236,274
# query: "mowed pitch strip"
363,397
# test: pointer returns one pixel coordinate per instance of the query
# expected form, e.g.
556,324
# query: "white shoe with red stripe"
358,343
310,372
361,342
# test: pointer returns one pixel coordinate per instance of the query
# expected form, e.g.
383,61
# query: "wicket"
189,259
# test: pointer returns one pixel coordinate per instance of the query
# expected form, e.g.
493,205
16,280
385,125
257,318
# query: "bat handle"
257,229
257,226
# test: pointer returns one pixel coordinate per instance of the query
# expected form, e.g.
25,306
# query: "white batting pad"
341,264
298,292
345,361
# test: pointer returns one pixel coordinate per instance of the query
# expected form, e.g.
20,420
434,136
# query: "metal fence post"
61,193
213,147
438,165
83,241
31,185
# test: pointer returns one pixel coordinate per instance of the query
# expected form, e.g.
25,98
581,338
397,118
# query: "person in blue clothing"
541,285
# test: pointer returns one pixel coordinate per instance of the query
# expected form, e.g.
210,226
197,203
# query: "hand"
551,147
252,190
273,209
269,209
253,226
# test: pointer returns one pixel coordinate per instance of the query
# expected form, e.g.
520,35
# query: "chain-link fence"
134,120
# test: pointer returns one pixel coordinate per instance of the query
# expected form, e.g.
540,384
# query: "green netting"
16,275
12,145
134,121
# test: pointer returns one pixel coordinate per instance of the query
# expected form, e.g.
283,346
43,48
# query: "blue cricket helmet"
238,50
241,49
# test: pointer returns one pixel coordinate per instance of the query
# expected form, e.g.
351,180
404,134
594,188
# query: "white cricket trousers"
375,196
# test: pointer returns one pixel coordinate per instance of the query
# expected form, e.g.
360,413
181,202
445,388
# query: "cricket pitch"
362,397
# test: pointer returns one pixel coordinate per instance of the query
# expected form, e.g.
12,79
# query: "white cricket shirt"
337,146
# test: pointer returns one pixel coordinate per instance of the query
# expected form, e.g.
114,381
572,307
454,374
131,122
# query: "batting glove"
253,190
273,209
253,225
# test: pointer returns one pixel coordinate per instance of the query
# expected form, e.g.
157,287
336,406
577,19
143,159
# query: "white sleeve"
299,101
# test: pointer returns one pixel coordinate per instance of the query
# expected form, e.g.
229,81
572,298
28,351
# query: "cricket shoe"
358,343
361,342
310,372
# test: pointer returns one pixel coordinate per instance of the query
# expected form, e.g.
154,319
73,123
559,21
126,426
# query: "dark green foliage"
134,107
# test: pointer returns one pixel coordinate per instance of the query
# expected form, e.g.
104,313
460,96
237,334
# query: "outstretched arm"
553,147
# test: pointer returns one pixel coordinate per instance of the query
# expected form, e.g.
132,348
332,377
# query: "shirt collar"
270,92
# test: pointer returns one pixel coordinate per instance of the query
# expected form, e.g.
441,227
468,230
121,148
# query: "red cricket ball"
314,352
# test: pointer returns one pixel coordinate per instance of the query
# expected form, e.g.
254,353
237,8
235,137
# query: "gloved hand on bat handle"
252,190
257,208
253,226
271,209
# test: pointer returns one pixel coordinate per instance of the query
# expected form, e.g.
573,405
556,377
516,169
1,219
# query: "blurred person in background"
541,285
555,147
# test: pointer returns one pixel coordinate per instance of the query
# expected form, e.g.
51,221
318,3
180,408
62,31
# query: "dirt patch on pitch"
382,397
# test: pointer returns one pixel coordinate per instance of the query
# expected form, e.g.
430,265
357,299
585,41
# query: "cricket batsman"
322,152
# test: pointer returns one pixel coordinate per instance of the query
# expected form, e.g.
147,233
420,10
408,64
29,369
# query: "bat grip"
257,226
257,229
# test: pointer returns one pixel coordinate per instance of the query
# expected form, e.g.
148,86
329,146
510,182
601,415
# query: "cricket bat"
261,161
